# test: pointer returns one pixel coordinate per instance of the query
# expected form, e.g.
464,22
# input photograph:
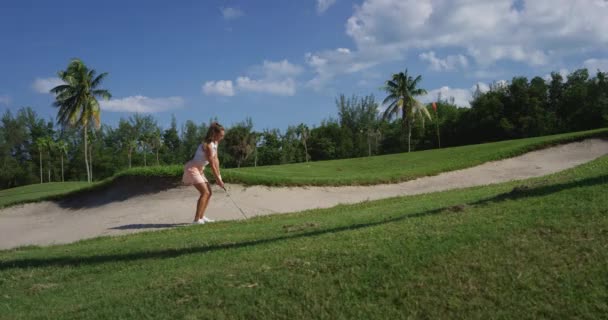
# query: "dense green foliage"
518,109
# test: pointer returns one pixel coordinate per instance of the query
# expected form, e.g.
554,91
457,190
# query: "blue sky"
283,62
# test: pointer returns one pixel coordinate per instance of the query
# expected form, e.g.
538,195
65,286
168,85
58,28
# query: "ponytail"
213,131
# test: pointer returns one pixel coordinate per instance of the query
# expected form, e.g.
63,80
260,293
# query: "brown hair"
213,131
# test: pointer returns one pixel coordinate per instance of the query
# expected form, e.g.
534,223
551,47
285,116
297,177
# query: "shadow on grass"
149,226
517,193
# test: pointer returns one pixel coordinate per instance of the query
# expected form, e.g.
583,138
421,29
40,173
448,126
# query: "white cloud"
533,32
483,87
286,87
142,104
220,87
328,64
271,77
231,13
594,64
323,5
450,62
5,99
44,85
278,69
462,97
487,30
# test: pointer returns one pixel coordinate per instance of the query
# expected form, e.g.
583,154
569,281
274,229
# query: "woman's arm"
214,163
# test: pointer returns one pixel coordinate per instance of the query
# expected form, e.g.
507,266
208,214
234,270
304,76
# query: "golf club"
236,205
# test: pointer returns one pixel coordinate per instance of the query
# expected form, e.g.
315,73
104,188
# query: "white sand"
49,223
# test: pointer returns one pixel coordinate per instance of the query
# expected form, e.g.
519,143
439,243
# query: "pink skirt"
193,173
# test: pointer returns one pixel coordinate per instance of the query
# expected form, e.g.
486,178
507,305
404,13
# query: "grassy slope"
537,251
37,191
367,170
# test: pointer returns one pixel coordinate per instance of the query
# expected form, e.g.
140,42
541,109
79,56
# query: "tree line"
77,146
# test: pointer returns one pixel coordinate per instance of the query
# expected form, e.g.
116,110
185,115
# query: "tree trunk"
409,136
62,178
86,155
377,136
437,126
129,156
405,122
305,150
145,163
157,162
49,166
91,161
40,166
369,144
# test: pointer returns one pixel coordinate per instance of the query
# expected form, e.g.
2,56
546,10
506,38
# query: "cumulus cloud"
277,69
487,30
285,87
596,64
142,104
451,62
462,96
532,32
220,87
44,85
271,77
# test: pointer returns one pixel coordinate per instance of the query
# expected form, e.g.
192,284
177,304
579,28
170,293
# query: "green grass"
380,169
518,250
35,192
358,171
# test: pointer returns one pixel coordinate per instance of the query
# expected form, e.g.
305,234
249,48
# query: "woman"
206,153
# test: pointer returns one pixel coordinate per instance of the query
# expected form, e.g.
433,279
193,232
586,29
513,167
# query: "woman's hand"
219,182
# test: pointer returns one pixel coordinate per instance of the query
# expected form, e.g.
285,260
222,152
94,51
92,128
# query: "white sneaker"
201,221
208,220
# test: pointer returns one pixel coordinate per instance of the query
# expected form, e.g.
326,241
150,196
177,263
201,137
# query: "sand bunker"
118,210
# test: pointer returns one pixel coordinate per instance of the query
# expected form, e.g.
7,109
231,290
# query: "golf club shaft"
236,205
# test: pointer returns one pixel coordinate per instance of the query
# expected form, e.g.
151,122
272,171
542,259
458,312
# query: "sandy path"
48,223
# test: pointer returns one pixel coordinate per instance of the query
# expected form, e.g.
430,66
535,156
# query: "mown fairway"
533,249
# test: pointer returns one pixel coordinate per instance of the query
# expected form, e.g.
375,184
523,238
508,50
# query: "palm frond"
97,81
389,98
418,92
104,94
60,88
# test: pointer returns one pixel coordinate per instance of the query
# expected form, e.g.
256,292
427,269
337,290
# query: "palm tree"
40,143
49,144
131,145
401,90
128,138
91,142
77,101
256,137
62,147
142,141
302,131
156,142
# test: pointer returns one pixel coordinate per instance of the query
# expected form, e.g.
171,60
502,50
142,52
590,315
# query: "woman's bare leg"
203,200
207,201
